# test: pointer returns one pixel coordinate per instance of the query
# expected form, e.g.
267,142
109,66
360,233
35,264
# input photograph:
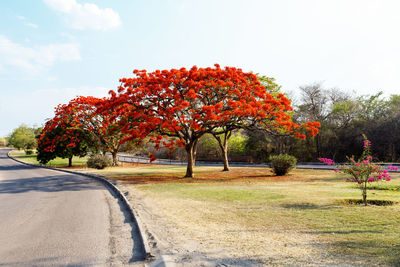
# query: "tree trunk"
224,151
114,157
70,162
190,154
225,159
364,193
194,152
223,145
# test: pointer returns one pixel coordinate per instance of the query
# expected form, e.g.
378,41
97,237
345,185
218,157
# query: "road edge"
108,184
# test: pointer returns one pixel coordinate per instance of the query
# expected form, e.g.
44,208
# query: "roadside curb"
132,213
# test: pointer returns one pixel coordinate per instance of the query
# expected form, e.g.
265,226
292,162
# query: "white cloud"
35,59
68,36
32,25
185,6
27,23
51,79
85,16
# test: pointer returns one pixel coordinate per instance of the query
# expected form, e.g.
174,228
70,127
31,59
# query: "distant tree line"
344,117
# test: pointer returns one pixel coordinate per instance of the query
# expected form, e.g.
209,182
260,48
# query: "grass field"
300,215
57,162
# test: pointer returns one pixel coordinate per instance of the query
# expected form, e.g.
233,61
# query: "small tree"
61,140
3,142
362,171
94,115
23,137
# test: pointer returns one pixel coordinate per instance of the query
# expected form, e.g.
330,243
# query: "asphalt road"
50,218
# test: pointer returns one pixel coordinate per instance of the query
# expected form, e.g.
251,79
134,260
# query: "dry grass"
301,218
144,174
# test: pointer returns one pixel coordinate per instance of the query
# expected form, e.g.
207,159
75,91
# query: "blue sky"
53,50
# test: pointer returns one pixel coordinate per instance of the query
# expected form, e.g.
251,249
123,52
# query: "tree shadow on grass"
307,206
55,183
369,250
344,232
383,187
372,202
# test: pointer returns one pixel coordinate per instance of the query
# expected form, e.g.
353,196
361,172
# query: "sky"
54,50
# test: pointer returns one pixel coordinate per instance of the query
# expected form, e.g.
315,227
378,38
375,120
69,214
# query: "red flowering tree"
60,138
88,114
106,127
276,121
225,132
179,106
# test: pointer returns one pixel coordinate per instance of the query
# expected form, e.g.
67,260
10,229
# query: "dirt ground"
194,242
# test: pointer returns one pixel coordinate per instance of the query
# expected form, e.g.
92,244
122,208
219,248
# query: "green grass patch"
57,162
206,192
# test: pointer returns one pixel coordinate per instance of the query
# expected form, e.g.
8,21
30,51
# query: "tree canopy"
179,106
62,137
23,137
61,141
88,114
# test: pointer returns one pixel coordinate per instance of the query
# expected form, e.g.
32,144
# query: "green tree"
23,137
237,144
3,141
207,148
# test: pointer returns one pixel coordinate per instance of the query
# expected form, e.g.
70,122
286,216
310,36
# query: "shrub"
29,152
282,164
363,171
99,161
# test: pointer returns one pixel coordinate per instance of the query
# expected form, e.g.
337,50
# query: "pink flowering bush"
363,171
